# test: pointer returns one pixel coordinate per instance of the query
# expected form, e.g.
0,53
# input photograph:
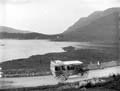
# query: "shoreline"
40,64
33,64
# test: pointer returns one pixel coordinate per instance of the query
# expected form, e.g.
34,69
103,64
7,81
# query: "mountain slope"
99,26
11,33
11,30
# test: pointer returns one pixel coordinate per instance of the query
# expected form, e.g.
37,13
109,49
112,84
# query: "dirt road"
50,80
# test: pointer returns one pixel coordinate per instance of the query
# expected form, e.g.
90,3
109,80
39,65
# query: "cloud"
3,1
18,1
102,1
117,1
15,1
102,4
57,15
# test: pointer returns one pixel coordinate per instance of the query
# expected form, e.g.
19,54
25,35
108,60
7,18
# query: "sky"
48,16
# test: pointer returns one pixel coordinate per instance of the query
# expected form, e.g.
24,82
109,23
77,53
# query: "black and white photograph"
59,45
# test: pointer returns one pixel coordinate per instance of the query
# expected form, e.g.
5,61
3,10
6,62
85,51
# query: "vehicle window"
63,67
57,68
70,67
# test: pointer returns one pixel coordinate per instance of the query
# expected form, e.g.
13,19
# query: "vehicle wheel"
85,74
62,78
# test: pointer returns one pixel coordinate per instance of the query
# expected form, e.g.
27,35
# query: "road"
50,80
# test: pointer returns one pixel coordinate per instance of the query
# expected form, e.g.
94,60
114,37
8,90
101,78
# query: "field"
38,65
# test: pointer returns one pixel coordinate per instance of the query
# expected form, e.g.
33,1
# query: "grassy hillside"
98,27
11,33
5,35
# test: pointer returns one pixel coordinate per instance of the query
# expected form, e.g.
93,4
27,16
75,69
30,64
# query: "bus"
63,70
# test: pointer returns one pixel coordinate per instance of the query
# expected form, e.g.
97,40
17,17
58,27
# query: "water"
15,49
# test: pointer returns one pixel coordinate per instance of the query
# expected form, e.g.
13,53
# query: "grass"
40,64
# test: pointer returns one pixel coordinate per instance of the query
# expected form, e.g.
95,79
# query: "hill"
11,33
100,26
11,30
